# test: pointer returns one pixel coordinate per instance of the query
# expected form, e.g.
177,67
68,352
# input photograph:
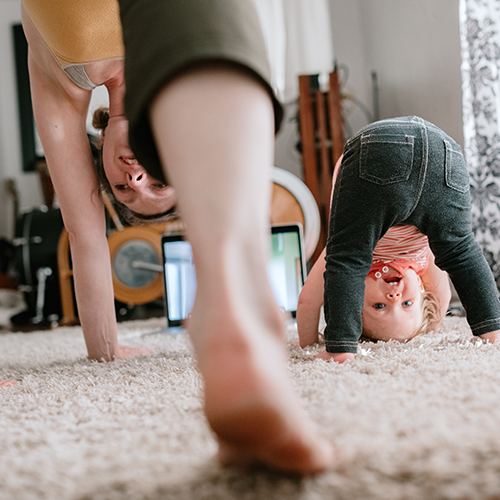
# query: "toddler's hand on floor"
338,357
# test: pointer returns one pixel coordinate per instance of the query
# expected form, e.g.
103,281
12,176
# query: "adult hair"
100,121
431,311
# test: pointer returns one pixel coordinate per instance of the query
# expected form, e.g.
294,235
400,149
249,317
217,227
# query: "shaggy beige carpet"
414,421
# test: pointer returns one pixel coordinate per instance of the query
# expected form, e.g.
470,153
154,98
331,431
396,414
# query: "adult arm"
60,109
308,311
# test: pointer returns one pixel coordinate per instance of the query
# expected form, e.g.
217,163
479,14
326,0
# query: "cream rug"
414,421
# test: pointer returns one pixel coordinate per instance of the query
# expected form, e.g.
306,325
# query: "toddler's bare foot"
491,336
339,357
249,400
7,383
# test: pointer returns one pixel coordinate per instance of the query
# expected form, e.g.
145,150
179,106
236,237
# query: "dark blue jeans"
402,171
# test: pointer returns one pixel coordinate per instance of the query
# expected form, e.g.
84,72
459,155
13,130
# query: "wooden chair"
322,139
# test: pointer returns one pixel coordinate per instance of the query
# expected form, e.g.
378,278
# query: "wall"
350,52
10,145
414,48
413,45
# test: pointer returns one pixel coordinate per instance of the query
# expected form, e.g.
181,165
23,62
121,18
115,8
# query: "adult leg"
213,126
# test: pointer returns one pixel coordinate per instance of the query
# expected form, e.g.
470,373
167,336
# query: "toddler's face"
393,305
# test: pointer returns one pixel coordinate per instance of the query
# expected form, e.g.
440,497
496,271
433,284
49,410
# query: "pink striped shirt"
402,247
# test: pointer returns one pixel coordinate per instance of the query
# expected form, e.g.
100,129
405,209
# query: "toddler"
405,180
406,294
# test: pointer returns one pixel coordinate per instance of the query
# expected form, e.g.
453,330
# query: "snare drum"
37,236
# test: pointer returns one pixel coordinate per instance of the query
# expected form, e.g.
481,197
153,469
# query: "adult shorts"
164,37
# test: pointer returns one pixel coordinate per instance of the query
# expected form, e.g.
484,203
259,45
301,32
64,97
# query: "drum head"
293,202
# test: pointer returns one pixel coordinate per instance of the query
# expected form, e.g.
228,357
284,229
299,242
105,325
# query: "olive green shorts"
164,37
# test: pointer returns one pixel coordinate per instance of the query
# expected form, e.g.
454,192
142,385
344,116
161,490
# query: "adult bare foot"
7,383
249,399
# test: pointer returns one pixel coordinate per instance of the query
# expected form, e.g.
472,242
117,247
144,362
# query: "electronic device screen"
286,268
179,278
286,271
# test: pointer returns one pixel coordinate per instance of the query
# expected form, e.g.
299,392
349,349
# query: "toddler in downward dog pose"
400,223
406,294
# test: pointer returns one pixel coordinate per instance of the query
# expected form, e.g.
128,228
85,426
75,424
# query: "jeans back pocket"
456,175
386,158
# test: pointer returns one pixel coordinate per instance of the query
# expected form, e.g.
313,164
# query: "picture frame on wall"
31,149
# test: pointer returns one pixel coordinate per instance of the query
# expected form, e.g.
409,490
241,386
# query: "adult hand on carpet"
491,336
129,352
338,357
7,383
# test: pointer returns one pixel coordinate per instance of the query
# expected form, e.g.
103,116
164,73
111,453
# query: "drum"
293,202
35,256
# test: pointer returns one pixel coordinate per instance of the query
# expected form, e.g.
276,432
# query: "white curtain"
480,42
272,21
299,41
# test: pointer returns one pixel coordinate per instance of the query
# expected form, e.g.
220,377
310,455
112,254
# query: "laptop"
286,271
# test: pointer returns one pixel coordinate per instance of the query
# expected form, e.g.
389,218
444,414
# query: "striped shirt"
403,248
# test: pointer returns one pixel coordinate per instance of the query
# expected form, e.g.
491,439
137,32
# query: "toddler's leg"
444,214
